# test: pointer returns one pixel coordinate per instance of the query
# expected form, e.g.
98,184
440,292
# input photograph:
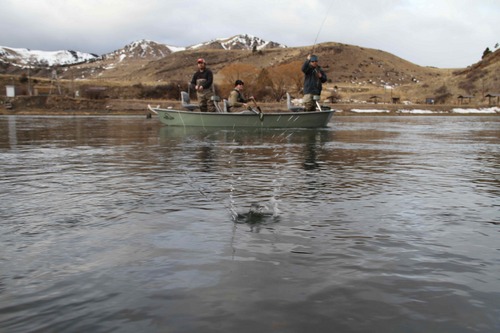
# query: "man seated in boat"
237,100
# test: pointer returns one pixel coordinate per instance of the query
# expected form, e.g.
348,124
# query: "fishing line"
321,26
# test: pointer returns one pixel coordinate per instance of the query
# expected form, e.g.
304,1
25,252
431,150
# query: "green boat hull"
314,119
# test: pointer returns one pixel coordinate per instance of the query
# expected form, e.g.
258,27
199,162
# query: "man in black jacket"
314,77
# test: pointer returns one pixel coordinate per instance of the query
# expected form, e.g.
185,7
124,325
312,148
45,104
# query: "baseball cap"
314,58
201,60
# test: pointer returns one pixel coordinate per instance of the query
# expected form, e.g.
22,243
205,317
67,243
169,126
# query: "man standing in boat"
202,82
237,98
314,77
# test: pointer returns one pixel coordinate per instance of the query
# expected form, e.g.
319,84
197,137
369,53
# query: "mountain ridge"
140,49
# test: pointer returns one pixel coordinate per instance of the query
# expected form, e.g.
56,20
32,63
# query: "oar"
261,115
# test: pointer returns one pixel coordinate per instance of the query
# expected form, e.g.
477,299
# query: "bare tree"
245,72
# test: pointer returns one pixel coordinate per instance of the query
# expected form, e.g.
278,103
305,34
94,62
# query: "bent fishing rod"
321,27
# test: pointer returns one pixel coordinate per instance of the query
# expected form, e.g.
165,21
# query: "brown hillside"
355,73
481,78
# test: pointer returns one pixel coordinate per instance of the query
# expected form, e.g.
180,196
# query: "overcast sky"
440,33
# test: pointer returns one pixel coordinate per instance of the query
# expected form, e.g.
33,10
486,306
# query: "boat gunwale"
275,113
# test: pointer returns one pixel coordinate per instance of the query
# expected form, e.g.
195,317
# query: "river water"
375,224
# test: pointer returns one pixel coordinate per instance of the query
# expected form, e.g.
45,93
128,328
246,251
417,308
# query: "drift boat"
312,119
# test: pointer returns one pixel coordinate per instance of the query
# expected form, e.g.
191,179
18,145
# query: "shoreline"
64,106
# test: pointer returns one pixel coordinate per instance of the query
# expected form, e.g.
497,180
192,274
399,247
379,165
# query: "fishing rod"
321,27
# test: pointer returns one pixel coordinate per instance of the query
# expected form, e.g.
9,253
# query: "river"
374,224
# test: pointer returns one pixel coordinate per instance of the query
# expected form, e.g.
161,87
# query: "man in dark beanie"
237,98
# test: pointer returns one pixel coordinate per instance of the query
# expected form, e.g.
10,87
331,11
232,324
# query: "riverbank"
60,105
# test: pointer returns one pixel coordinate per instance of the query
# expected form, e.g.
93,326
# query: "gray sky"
440,33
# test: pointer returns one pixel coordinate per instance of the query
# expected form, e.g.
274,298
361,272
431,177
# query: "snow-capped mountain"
238,42
142,49
148,49
26,57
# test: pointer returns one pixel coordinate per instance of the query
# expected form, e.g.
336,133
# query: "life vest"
240,97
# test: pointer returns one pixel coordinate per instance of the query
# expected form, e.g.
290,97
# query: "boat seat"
216,100
320,107
290,106
225,105
186,102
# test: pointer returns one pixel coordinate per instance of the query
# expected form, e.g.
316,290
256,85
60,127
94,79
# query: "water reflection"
312,145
